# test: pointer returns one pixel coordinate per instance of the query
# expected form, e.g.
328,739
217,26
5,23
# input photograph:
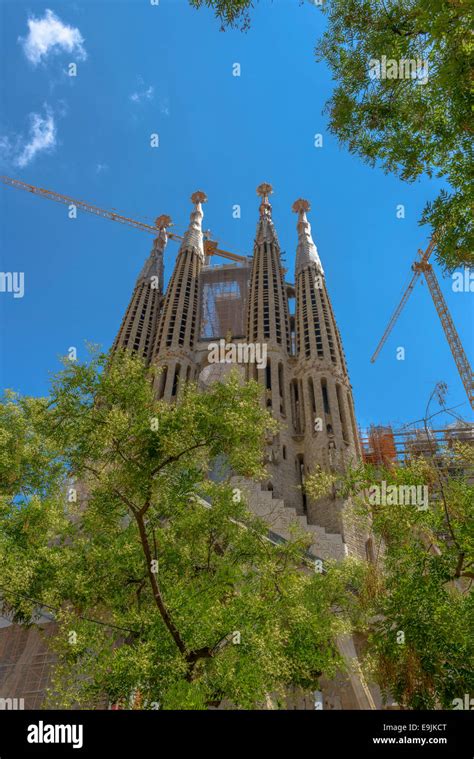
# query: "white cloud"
144,94
49,34
165,107
42,136
100,167
5,144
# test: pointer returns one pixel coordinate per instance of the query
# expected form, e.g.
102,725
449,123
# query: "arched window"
301,478
174,390
268,375
324,390
353,421
312,397
295,406
342,414
163,376
281,386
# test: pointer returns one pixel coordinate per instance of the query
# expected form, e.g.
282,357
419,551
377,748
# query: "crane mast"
459,355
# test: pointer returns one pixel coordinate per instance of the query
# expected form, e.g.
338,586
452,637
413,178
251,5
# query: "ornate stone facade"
305,379
305,385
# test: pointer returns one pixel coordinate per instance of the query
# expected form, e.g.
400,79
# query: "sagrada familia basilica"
287,339
305,378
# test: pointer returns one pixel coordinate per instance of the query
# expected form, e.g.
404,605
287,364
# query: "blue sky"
167,69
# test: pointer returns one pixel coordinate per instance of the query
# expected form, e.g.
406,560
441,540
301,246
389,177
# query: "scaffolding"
378,445
224,294
384,446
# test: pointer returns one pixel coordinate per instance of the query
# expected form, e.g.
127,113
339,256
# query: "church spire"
306,252
178,330
153,266
265,229
267,309
193,239
320,362
138,329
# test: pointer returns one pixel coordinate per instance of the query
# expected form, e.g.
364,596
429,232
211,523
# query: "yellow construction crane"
424,267
210,246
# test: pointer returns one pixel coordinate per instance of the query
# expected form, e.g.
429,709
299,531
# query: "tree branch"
164,613
172,459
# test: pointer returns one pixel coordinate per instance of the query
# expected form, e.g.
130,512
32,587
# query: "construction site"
387,446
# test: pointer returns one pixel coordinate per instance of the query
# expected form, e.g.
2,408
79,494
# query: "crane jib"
111,215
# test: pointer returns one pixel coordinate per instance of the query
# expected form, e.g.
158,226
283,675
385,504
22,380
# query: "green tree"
416,605
409,125
230,13
181,601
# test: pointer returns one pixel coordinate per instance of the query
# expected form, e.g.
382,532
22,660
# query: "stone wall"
25,663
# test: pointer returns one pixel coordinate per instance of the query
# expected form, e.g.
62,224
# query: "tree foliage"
166,590
180,601
230,13
409,127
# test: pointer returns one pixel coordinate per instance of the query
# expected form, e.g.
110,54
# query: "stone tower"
178,325
322,396
268,323
138,328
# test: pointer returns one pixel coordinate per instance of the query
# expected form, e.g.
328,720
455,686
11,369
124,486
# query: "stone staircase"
280,518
